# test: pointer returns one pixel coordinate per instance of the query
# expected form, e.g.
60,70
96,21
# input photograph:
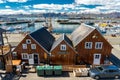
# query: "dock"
20,22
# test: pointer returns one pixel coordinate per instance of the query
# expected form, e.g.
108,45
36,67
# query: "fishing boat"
62,20
70,22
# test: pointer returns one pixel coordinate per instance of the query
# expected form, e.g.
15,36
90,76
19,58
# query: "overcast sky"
43,6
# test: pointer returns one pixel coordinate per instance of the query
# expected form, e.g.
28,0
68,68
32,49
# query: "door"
36,59
96,60
31,58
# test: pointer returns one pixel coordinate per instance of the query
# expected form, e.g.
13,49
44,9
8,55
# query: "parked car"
105,71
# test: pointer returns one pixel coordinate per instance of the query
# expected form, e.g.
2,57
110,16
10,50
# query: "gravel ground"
65,76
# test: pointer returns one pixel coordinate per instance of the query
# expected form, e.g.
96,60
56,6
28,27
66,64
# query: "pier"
20,22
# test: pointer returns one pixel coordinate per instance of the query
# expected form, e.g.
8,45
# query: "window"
28,41
24,56
30,56
63,47
88,45
24,46
97,56
14,53
98,45
111,71
33,46
100,68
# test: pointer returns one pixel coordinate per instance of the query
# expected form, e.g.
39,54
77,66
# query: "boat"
62,20
70,22
10,29
40,20
31,24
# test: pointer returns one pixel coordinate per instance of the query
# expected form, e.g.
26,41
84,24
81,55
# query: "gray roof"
44,38
80,33
60,39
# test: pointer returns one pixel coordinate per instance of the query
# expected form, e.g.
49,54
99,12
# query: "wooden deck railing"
72,67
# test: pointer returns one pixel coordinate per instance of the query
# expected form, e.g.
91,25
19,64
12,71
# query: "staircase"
115,60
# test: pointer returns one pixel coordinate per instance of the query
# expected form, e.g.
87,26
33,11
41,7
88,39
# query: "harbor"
16,38
54,30
65,25
59,40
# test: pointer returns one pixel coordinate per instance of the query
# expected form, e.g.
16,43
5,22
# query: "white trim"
25,56
38,43
71,46
63,47
24,46
33,46
98,45
28,41
86,34
14,53
66,46
96,58
31,58
88,45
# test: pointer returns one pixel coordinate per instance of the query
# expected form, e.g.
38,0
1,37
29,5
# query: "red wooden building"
62,52
35,47
91,46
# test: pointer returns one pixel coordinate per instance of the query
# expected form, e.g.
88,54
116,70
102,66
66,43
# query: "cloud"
20,1
95,11
38,11
10,11
109,8
7,7
48,6
106,5
101,2
53,6
27,7
1,1
80,6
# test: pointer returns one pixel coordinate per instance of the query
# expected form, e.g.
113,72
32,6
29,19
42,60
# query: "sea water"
57,28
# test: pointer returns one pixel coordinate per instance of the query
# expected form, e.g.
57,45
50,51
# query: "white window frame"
88,43
97,56
33,46
24,46
63,47
97,45
28,41
14,53
25,56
